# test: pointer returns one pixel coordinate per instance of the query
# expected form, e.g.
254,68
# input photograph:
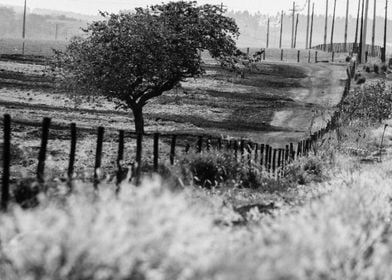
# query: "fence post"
316,57
156,151
265,50
5,191
281,55
298,56
292,153
309,57
287,154
219,143
42,151
261,155
120,155
98,155
267,149
333,56
200,144
274,162
242,147
256,149
173,149
270,159
280,158
139,150
249,147
72,151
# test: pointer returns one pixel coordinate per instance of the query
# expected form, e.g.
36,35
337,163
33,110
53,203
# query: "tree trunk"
139,120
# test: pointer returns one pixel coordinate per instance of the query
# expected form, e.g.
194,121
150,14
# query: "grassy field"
275,104
32,47
327,218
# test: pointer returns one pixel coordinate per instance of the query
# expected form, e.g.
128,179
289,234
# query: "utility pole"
281,30
361,36
326,26
355,47
296,32
365,21
311,28
333,26
346,26
268,32
24,26
292,26
307,26
374,29
384,53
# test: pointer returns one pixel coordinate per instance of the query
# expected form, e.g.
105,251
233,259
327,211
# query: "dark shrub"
376,69
26,193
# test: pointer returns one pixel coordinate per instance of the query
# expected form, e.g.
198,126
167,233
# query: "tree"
131,58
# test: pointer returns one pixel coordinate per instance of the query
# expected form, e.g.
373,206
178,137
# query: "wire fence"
165,147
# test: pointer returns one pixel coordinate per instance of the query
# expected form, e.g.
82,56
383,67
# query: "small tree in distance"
131,58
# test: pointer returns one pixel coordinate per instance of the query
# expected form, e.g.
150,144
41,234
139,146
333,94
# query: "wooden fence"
270,159
292,55
350,48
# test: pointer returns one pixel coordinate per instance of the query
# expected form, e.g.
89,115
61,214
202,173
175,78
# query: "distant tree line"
253,28
38,26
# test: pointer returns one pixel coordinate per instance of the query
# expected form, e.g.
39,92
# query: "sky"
271,7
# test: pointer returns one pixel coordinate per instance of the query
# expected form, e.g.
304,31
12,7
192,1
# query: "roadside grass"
338,229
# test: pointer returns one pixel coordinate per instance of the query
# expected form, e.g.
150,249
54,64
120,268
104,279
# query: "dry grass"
341,231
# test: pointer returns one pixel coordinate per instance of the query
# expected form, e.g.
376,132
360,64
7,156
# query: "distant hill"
41,24
253,29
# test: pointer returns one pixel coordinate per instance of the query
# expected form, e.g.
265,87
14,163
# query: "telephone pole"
281,30
292,27
296,32
268,32
346,26
311,28
333,26
24,26
384,53
307,26
326,26
364,34
374,29
361,36
355,47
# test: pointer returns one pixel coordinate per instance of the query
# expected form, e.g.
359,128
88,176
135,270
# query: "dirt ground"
277,103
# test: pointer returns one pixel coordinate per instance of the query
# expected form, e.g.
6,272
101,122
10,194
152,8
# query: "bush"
222,169
371,103
306,170
376,69
209,169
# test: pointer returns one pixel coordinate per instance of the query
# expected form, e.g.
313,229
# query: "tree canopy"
133,57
